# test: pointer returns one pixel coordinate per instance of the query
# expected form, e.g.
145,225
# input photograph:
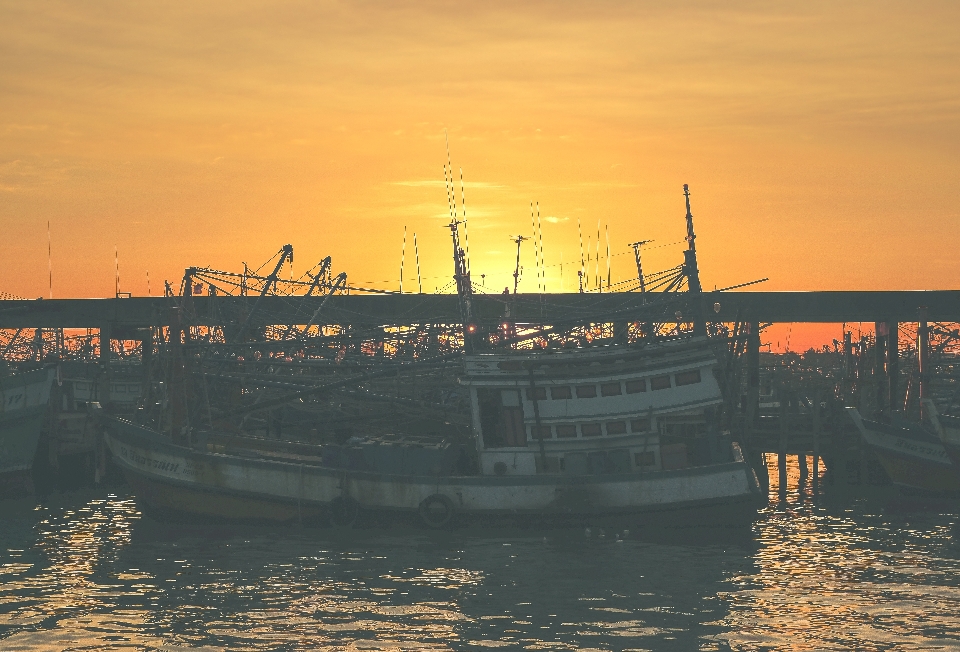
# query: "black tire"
343,511
436,511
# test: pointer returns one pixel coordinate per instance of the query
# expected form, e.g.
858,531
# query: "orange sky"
820,140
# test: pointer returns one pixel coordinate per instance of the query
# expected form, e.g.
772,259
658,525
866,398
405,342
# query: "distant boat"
595,431
912,456
24,411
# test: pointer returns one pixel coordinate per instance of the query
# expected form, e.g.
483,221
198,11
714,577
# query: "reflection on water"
91,573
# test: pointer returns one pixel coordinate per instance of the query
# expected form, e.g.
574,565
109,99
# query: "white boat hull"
178,478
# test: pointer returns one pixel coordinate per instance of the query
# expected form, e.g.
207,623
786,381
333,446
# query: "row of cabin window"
596,462
569,431
616,388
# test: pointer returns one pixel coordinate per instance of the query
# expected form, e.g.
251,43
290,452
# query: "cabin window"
646,458
544,432
560,392
539,392
586,391
640,425
660,382
590,429
501,418
566,432
617,428
610,389
636,386
688,378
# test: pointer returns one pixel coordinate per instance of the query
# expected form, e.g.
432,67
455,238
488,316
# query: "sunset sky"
821,141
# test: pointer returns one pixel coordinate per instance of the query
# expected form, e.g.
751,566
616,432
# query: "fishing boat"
913,456
602,431
24,411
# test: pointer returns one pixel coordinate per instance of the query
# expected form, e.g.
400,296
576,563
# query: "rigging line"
536,255
543,268
582,266
599,279
608,256
403,257
416,251
466,233
50,258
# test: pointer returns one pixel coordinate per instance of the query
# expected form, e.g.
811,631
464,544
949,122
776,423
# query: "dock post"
893,364
847,366
879,370
753,406
923,356
103,377
816,444
146,361
782,453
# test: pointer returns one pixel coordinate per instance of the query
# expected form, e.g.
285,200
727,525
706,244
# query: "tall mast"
692,271
464,289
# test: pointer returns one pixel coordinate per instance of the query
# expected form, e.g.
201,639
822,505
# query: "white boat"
598,431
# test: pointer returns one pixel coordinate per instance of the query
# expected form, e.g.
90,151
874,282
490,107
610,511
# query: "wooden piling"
816,444
757,460
782,453
879,368
893,365
923,357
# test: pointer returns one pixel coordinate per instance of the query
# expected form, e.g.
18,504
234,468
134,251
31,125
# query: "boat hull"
170,478
24,407
911,460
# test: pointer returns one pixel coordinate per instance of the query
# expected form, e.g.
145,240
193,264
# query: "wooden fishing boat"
913,456
581,433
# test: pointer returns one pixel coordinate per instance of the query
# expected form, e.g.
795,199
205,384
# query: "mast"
692,271
464,289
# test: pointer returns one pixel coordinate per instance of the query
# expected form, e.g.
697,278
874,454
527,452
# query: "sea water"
853,571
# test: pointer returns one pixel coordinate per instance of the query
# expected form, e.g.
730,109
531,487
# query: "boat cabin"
606,409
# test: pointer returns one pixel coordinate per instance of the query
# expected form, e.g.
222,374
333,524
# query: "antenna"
403,256
116,265
416,251
148,283
49,259
516,271
636,254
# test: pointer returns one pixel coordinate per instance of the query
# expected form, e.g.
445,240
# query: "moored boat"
912,456
24,410
574,433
